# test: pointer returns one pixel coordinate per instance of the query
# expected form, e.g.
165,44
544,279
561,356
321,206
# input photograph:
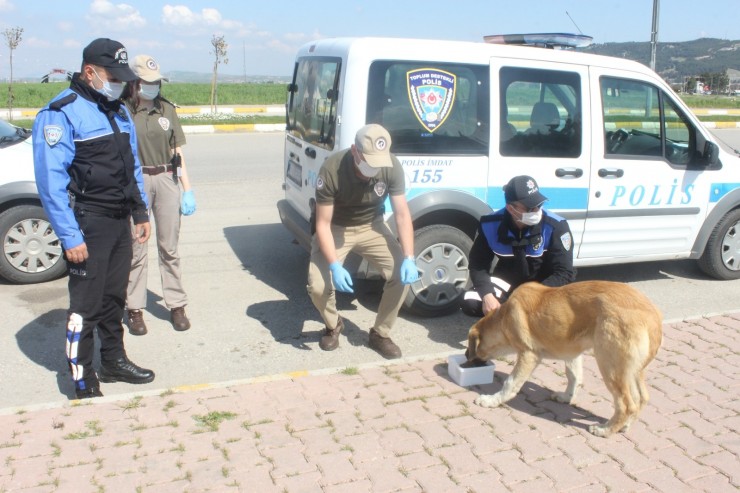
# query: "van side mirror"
711,153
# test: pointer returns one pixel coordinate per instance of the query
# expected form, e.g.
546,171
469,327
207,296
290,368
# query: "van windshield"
312,100
431,108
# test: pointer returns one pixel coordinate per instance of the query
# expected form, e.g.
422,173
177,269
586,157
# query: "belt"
96,211
155,170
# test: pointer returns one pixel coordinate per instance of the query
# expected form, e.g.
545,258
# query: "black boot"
88,389
124,370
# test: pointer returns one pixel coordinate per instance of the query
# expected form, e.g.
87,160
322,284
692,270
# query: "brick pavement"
399,427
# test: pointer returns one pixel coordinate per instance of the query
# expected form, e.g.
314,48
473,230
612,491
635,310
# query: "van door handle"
616,173
574,172
311,152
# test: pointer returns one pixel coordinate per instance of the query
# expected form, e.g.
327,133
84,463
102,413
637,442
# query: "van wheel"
721,258
442,260
31,251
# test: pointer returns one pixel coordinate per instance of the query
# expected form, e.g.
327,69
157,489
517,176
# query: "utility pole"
654,33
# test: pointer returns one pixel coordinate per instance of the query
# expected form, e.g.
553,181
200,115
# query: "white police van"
617,153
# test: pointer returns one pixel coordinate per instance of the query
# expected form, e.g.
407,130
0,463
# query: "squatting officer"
90,183
530,243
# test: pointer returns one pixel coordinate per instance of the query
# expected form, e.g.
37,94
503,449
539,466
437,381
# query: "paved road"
246,279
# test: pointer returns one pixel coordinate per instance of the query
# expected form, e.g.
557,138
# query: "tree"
219,50
13,36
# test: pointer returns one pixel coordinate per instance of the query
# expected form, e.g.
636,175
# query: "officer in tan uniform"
160,140
351,189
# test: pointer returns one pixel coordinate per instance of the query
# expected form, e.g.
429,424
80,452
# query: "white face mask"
148,91
531,218
367,170
111,90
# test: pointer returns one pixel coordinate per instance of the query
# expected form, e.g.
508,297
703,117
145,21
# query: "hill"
677,61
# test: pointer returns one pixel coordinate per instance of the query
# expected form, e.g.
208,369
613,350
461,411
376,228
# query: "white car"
31,251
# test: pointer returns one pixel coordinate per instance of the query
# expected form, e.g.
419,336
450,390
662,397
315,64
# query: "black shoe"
89,392
123,370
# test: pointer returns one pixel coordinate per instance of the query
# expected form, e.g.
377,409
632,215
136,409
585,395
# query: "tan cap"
146,68
374,142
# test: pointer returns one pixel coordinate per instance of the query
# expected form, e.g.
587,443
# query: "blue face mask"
148,91
111,90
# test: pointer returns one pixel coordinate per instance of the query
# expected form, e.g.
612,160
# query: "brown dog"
621,324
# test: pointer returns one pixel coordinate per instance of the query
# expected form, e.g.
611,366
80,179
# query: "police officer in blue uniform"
529,243
90,182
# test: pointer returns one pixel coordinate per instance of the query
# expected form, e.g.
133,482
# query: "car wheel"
442,260
721,257
31,251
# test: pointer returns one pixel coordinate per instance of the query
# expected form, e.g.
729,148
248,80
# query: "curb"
275,377
189,111
232,128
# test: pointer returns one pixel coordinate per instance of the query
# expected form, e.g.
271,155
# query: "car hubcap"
443,274
731,247
32,246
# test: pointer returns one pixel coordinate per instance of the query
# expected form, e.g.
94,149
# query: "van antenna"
574,22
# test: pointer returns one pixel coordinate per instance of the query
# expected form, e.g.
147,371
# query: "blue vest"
502,240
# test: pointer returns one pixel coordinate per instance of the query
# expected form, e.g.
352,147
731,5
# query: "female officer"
160,137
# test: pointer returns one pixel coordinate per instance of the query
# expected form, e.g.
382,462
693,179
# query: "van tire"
31,251
442,259
721,257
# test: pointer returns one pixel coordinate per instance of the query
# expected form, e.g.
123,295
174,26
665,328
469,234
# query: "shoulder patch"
567,241
62,102
53,134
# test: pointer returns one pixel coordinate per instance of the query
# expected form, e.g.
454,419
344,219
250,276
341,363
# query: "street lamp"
654,34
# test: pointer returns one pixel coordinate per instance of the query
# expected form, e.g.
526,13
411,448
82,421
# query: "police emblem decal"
164,123
319,183
432,95
567,241
53,134
379,188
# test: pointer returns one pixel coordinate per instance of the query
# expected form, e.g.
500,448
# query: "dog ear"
473,336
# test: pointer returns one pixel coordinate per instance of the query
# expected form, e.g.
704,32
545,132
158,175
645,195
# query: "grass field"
37,95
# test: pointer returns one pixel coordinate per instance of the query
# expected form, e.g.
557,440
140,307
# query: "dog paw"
599,431
488,400
563,397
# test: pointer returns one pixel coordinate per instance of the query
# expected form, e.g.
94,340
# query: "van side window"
640,120
540,113
431,108
312,101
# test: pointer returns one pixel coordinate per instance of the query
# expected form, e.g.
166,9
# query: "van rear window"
431,108
312,100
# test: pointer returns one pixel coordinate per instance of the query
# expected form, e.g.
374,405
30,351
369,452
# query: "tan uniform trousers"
376,244
164,204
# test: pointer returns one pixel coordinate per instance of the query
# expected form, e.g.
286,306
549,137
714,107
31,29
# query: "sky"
263,36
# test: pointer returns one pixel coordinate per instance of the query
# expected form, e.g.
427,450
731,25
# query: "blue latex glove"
187,204
409,272
341,278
